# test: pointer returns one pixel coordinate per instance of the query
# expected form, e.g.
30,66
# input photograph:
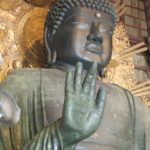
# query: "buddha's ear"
50,54
51,58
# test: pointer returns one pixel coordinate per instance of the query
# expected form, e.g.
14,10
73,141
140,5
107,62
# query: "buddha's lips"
94,48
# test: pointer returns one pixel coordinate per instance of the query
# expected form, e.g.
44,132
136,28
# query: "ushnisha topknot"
56,15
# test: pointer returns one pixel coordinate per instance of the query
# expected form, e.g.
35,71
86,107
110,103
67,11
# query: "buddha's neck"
64,66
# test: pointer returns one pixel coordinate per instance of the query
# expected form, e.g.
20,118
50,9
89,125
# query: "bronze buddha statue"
56,114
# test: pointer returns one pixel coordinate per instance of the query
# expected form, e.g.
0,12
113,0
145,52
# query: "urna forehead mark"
98,15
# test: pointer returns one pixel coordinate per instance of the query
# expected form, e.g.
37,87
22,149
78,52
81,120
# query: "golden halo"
29,36
3,33
39,2
9,4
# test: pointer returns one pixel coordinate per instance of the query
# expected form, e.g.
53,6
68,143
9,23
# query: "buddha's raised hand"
9,111
83,110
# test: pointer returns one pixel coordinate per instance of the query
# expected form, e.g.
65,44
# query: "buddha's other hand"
9,111
83,110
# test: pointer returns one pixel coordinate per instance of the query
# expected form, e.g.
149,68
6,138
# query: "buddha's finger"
90,77
77,79
93,88
100,100
69,82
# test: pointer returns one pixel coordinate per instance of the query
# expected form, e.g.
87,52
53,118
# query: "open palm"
83,110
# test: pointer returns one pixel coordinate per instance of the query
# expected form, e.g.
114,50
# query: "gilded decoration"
29,36
9,4
124,72
39,2
17,18
120,71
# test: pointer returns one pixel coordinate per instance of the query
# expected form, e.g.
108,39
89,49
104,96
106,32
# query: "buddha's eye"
81,24
104,28
76,22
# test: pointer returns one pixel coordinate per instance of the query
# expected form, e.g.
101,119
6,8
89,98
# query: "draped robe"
40,95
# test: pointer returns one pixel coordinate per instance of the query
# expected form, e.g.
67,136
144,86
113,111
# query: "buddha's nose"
95,35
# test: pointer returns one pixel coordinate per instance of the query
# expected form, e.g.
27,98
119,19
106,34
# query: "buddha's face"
85,35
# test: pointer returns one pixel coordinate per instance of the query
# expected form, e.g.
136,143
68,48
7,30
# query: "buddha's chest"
115,131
